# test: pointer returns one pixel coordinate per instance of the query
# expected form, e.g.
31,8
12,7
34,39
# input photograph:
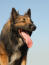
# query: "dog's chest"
17,54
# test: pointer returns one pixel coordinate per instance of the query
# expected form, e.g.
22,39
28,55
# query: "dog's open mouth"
26,37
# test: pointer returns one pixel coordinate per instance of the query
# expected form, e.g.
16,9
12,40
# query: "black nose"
32,27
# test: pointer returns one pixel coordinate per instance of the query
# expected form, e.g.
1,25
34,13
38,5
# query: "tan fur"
18,22
3,55
23,61
22,22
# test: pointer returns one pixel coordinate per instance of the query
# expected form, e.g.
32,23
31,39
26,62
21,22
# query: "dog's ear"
28,12
14,14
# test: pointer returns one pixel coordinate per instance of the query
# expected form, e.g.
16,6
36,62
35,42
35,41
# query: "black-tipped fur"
13,42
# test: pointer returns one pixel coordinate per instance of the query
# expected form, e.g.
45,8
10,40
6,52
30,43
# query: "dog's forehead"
23,17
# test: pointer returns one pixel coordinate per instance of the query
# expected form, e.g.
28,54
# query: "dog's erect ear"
28,12
14,14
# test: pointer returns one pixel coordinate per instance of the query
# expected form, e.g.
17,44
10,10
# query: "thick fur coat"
12,45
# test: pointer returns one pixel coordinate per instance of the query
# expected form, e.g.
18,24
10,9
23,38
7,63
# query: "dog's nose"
32,26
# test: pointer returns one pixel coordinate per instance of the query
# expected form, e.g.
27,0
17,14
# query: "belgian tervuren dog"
15,38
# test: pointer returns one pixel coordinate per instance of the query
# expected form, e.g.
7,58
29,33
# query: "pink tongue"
27,39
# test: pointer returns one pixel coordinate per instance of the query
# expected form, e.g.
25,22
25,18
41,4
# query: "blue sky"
39,53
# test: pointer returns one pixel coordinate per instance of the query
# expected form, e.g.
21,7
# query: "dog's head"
22,22
22,25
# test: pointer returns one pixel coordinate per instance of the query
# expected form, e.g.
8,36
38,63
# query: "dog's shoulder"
3,54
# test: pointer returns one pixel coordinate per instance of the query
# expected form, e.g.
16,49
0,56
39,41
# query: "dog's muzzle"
32,27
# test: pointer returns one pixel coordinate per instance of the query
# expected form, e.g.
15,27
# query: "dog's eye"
23,20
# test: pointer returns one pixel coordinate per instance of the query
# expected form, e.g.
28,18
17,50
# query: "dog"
15,38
